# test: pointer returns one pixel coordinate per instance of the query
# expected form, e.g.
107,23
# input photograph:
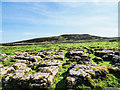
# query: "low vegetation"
63,78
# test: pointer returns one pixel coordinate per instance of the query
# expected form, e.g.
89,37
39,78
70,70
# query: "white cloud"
98,23
1,31
79,21
61,18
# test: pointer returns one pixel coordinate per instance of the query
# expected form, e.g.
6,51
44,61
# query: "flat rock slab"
83,74
29,58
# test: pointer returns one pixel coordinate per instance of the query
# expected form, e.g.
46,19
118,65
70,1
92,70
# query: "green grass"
110,81
33,71
107,63
8,62
12,49
60,79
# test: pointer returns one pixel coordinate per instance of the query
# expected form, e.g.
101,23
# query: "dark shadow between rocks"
62,84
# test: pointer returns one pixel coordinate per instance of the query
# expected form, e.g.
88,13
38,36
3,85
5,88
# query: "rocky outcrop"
82,74
18,53
47,51
98,59
44,76
57,55
38,69
29,58
3,59
6,70
78,56
109,55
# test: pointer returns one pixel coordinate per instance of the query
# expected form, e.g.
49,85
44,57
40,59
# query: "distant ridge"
65,38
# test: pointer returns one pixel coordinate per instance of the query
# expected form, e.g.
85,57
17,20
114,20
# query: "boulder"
33,58
74,53
114,70
85,56
31,80
20,57
6,79
117,53
117,65
6,70
98,59
35,64
71,80
103,52
53,70
108,57
18,74
23,61
51,63
1,65
116,59
3,55
41,54
45,63
18,53
30,58
58,57
77,58
83,74
8,57
19,65
51,80
47,51
22,66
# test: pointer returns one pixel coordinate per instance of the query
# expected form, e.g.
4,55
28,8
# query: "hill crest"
65,38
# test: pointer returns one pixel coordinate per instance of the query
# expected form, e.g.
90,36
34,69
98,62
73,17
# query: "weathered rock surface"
23,61
38,69
98,59
114,70
18,53
79,56
43,77
3,54
103,52
29,58
73,53
83,74
57,55
6,70
3,59
109,55
46,63
47,51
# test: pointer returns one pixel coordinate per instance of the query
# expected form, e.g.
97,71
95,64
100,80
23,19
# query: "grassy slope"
66,38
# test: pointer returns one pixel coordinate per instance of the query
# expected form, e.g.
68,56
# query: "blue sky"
25,20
